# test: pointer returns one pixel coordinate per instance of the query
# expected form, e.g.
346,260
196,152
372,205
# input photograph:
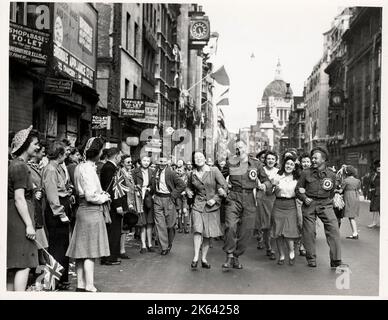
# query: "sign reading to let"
132,108
28,45
58,86
151,110
99,122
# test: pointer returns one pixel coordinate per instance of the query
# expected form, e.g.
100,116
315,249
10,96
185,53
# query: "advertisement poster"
132,108
28,45
151,110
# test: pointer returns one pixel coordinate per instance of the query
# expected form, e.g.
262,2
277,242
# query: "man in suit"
118,206
168,187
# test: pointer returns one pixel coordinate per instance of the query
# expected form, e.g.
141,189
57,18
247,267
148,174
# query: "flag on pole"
223,100
221,76
119,187
52,271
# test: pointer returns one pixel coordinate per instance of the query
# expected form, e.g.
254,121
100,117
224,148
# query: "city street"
153,273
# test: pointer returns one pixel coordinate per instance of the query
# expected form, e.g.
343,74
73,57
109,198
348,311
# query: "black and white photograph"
215,148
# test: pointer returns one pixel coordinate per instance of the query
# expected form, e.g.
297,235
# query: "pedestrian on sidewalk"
143,182
206,185
58,210
168,187
89,240
319,184
350,188
266,201
375,194
286,220
246,174
111,181
22,252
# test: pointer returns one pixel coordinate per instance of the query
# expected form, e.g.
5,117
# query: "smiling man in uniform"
315,188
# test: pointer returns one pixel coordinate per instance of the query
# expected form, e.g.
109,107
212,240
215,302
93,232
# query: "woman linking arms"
207,184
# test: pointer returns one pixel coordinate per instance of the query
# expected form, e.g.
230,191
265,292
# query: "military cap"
322,150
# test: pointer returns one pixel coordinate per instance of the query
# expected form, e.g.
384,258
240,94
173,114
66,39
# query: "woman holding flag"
90,239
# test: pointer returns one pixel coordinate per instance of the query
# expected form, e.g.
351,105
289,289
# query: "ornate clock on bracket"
199,32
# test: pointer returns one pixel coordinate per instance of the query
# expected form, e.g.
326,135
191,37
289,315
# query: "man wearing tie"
168,188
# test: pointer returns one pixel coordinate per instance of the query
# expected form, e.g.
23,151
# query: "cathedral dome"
277,89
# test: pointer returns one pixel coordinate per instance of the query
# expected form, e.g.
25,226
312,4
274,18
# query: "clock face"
336,100
58,31
199,30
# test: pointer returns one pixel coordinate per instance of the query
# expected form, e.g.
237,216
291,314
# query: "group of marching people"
80,207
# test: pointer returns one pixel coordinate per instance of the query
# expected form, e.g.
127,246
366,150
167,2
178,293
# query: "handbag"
130,219
106,212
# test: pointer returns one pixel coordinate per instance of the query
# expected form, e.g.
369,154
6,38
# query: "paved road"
153,273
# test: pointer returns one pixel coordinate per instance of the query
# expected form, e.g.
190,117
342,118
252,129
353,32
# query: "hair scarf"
88,145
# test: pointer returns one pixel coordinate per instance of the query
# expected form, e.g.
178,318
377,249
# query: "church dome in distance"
277,89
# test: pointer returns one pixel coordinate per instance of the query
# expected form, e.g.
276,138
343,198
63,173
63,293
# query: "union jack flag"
119,187
52,271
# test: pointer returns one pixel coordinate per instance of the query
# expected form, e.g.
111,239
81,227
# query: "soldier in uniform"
246,174
315,188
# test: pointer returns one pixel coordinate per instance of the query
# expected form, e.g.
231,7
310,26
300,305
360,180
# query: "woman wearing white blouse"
90,239
285,218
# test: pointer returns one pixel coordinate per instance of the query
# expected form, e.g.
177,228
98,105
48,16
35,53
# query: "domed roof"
277,89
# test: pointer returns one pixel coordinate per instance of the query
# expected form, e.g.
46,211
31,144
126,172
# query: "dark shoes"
352,237
143,250
236,263
312,263
302,253
150,249
280,262
336,263
228,264
169,248
194,265
80,290
124,256
205,265
271,254
111,263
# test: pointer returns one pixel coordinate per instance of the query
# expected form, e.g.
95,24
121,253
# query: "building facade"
296,125
53,81
361,144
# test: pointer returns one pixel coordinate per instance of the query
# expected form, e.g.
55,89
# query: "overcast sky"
288,30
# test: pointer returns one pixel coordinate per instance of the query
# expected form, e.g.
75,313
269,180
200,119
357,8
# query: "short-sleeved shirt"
19,177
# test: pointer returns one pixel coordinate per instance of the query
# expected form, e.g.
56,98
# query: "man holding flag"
113,183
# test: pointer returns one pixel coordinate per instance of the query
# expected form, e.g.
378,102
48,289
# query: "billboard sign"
132,108
151,111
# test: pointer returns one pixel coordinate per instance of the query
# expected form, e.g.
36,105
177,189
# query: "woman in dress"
132,201
375,195
285,220
206,184
22,252
350,188
90,239
143,181
265,203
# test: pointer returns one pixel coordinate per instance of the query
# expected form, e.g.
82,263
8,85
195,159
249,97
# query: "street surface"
153,273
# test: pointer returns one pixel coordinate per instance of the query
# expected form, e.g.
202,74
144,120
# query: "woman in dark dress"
375,195
22,252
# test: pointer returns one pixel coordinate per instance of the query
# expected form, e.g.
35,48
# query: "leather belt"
163,195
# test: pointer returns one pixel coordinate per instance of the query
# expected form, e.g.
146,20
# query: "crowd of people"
79,208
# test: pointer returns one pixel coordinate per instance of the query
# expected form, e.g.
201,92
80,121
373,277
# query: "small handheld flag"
119,187
52,271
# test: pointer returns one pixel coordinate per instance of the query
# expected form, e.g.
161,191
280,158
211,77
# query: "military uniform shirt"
243,175
318,184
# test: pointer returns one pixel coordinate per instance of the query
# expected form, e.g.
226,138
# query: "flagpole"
197,82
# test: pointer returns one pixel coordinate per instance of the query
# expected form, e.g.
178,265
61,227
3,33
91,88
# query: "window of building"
135,40
134,91
126,88
155,20
128,28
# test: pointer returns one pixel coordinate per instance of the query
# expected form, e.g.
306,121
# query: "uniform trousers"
165,219
240,212
323,209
